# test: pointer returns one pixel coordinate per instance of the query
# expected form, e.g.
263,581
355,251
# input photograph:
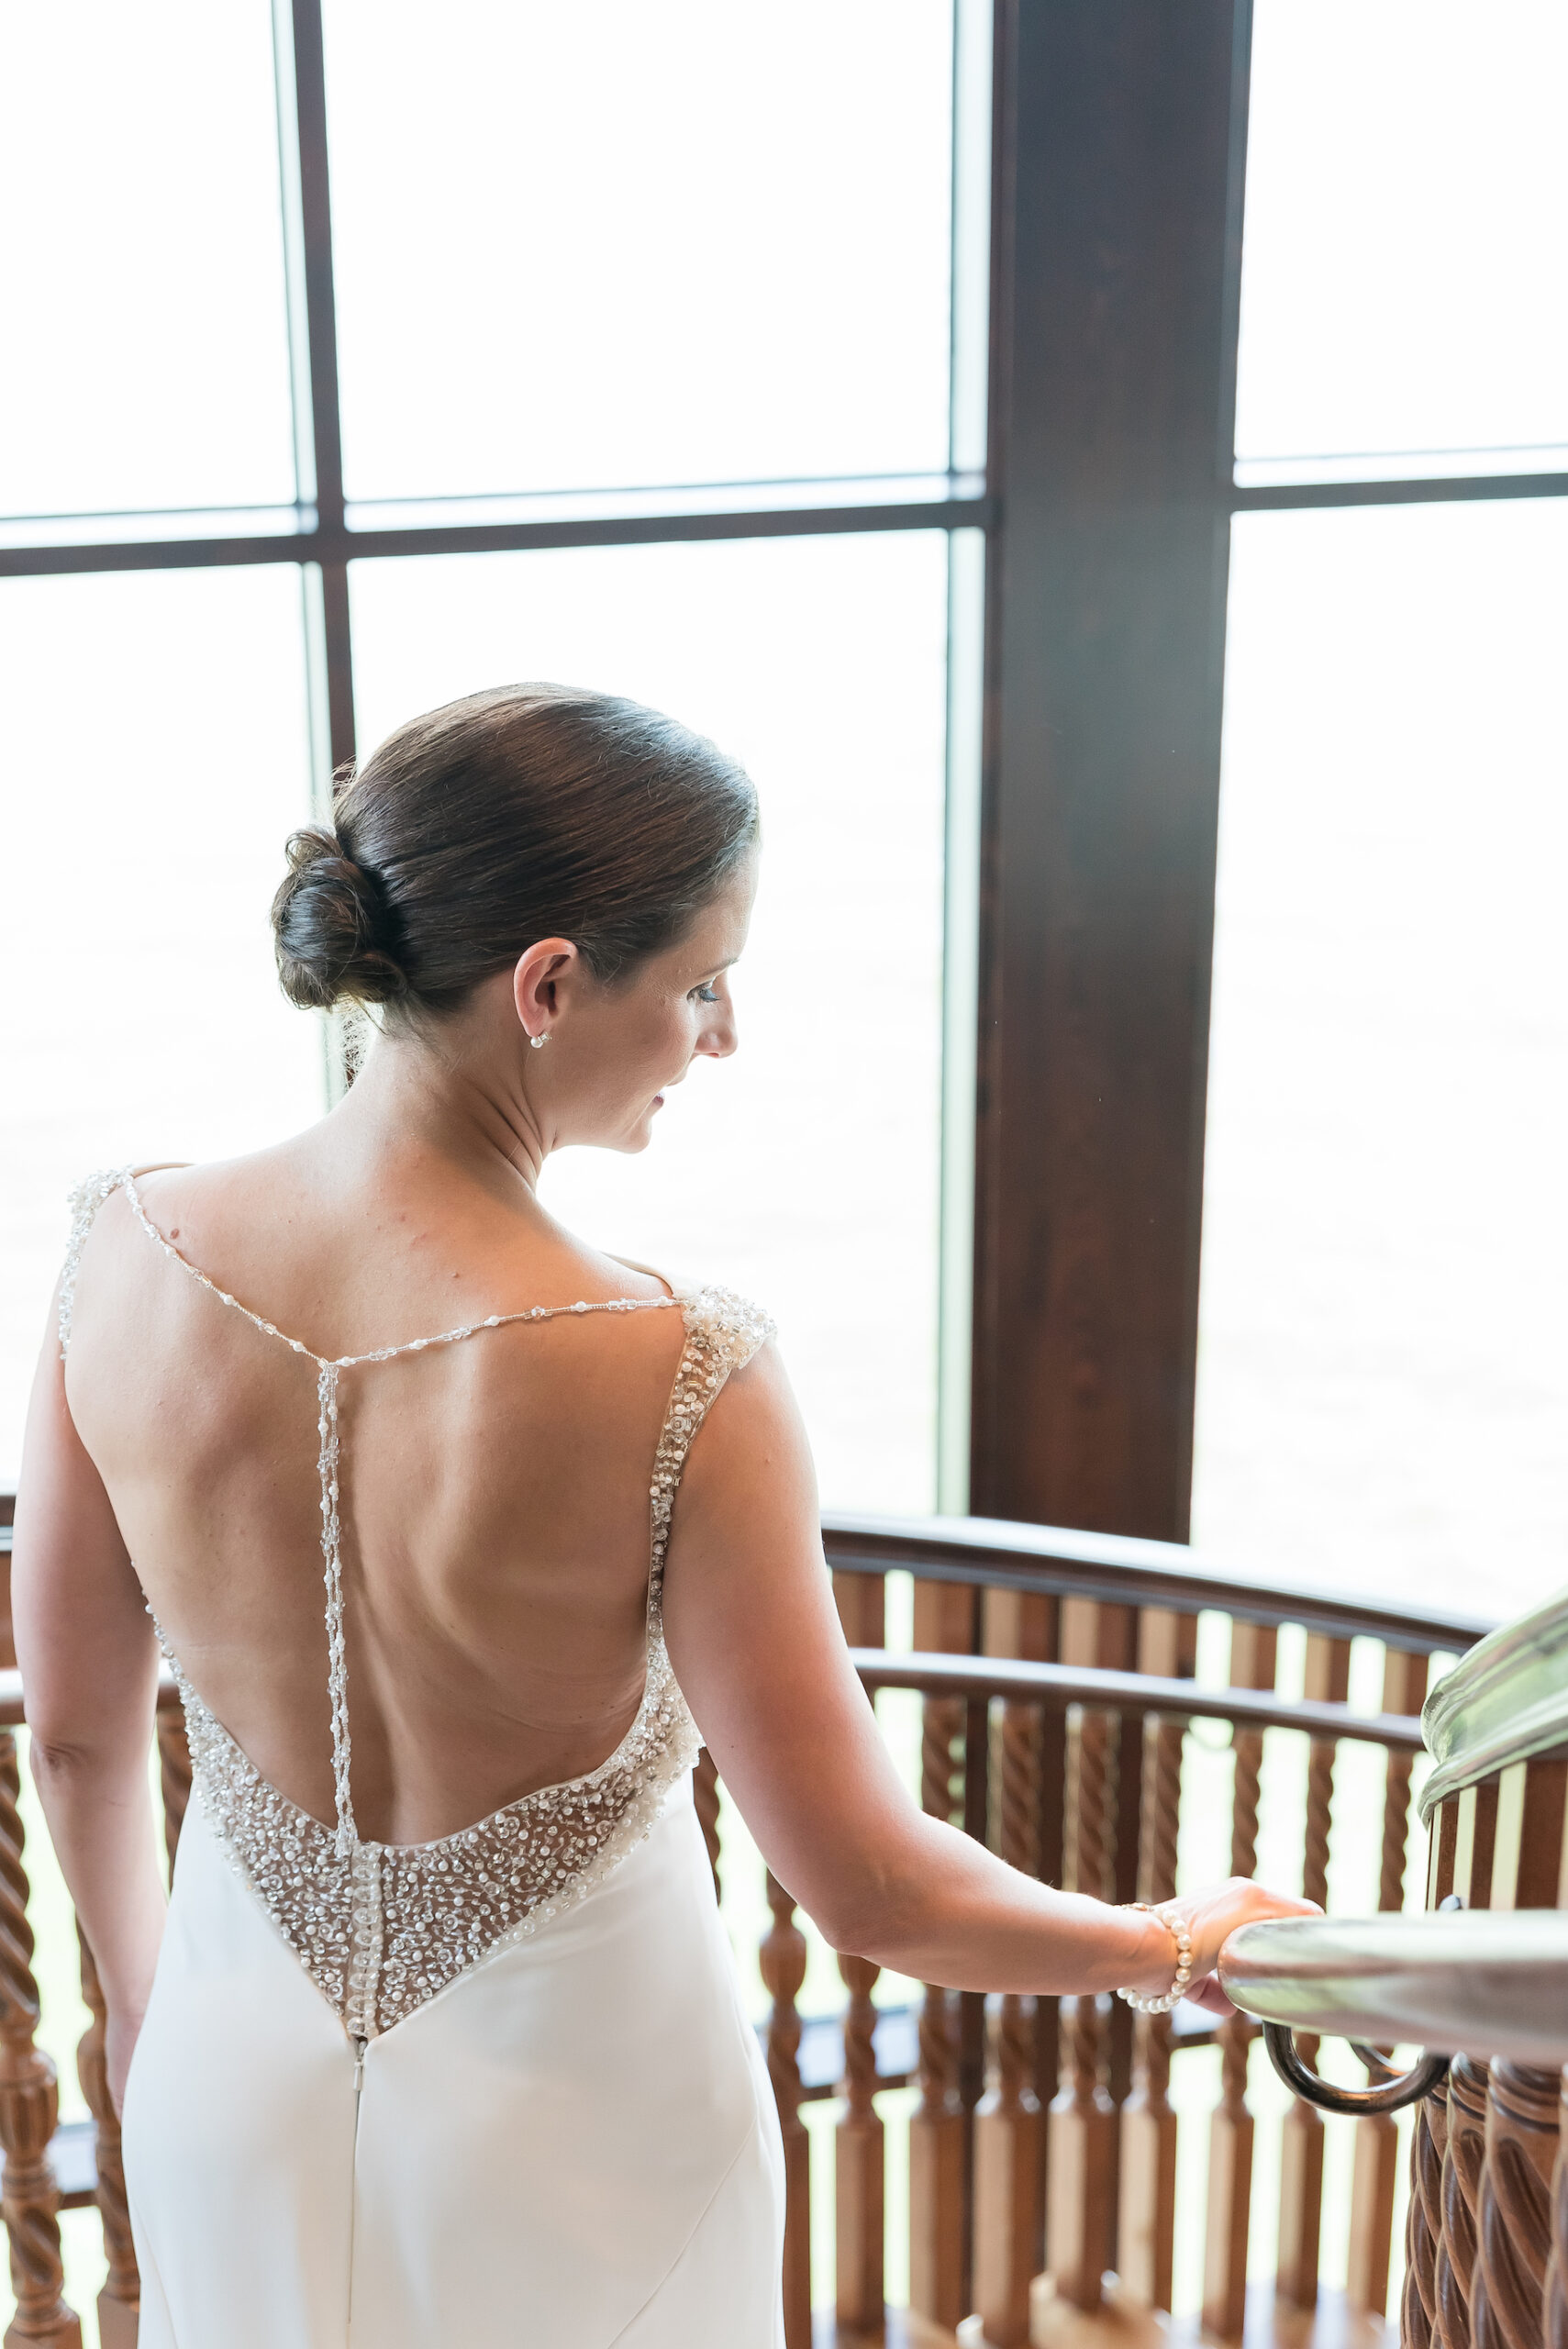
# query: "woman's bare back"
493,1494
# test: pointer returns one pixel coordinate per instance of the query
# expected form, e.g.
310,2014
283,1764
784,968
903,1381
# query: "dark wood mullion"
1117,143
326,431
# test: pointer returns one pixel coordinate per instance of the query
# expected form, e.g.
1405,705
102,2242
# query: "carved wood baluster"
1252,1653
1374,2176
1007,2122
1146,2231
1424,2220
1083,2119
861,1601
859,2164
1557,2274
936,2132
705,1799
1514,2217
29,2101
120,2299
1463,2155
782,1961
174,1776
1327,1681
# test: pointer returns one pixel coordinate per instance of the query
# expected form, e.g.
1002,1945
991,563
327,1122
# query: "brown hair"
524,812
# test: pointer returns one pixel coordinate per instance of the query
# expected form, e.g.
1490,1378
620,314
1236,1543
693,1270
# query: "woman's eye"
707,993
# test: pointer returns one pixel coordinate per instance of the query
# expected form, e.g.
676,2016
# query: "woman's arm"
89,1663
755,1641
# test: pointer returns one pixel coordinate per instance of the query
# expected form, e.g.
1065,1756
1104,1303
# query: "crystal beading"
383,1928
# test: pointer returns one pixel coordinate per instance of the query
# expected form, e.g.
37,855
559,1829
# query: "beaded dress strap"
86,1202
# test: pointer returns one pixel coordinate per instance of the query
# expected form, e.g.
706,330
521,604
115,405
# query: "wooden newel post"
1424,2224
783,1960
30,2101
120,2300
1514,2215
1464,2149
936,2131
1557,2272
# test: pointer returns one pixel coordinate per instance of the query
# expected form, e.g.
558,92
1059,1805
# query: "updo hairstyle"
526,812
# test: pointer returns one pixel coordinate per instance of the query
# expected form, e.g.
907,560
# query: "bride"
439,2037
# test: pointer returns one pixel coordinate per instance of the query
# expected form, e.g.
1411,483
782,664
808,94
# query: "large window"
560,345
1383,1396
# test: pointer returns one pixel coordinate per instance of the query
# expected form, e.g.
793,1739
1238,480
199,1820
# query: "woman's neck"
414,1101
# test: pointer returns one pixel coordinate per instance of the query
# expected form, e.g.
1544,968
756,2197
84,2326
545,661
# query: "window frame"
1091,447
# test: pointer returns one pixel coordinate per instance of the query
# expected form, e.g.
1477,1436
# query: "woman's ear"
537,984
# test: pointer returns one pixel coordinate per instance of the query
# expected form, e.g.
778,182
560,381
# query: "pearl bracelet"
1183,1941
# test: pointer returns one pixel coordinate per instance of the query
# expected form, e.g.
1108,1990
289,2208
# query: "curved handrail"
1503,1702
1480,1982
1058,1686
1055,1560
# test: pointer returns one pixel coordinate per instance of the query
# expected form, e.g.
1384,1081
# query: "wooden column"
120,2299
1146,2197
1514,2215
861,1601
783,1958
1374,2175
860,2165
1327,1681
1465,2148
1253,1652
30,2101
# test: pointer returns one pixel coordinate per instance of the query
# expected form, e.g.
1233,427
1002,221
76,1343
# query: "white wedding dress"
495,2089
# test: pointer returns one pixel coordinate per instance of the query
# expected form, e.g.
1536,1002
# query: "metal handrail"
1478,1981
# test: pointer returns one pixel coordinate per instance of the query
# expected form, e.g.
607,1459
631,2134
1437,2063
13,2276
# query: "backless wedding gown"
494,2089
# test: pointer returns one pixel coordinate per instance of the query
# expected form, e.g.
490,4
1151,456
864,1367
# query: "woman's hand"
1213,1915
121,2033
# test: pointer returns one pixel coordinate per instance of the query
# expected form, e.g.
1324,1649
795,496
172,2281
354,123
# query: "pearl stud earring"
538,1042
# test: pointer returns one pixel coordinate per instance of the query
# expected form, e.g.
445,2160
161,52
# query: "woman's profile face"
618,1047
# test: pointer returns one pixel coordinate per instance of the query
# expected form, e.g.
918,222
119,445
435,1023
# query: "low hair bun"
335,931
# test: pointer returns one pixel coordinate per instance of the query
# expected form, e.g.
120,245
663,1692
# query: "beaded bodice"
383,1928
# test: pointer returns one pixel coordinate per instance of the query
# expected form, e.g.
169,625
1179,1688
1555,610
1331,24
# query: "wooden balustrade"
1055,1675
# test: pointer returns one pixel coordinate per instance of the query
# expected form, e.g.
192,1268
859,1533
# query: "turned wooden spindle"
783,1963
1375,2173
1424,2222
30,2101
859,2164
1252,1657
1507,2300
1008,2120
120,2299
1464,2150
705,1800
1557,2272
1327,1681
937,2129
1147,2226
174,1778
1079,2217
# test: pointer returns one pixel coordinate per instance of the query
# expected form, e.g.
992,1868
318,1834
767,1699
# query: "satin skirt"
574,2146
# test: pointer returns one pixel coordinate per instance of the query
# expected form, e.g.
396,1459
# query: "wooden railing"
1060,1721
